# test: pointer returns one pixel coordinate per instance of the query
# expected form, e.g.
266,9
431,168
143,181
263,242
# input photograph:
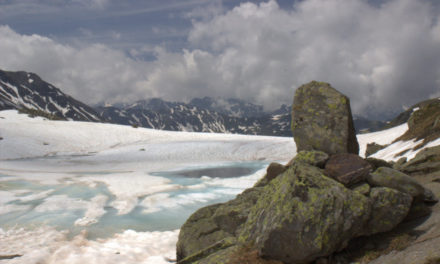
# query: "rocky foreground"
327,205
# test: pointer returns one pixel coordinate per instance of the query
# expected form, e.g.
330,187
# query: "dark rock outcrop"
426,161
376,163
373,148
322,120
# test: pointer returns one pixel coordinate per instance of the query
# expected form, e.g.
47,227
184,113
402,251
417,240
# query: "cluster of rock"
313,206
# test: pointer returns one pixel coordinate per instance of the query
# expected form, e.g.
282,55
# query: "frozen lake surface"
77,192
81,200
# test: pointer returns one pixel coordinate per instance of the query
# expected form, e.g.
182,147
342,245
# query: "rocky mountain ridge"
201,115
28,93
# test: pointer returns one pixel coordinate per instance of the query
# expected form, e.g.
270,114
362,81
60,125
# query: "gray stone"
302,215
389,208
322,120
214,223
210,252
387,177
198,232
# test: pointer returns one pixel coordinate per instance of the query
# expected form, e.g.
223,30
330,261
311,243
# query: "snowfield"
80,192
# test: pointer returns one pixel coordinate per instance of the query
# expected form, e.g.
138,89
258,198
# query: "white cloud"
92,3
91,73
382,57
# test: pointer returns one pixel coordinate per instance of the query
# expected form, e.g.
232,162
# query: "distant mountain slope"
29,93
423,122
212,115
200,115
230,107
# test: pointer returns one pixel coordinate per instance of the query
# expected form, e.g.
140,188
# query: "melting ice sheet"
82,192
106,216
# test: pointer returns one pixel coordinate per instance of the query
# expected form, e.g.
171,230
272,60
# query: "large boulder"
347,168
302,215
322,120
212,224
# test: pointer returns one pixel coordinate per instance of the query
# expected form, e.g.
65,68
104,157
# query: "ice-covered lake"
104,202
73,192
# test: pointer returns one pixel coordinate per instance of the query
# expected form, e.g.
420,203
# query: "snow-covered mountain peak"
29,93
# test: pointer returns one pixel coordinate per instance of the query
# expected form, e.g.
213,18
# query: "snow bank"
47,245
25,137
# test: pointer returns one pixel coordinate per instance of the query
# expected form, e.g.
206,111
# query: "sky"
383,54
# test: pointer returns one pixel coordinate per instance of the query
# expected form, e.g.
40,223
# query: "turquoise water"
60,205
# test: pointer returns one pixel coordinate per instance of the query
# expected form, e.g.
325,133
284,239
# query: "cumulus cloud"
382,56
93,73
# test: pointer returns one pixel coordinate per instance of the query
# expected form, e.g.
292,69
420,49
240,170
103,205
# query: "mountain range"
28,93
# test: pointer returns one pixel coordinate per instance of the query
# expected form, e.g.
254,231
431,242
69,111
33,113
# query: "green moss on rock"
331,130
305,213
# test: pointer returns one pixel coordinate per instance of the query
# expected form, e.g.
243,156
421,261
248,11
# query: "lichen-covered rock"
322,120
387,177
362,188
373,148
389,208
211,252
198,232
347,168
302,215
273,170
230,216
214,223
314,158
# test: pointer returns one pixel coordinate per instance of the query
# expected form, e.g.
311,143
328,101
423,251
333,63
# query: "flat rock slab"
322,120
347,169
